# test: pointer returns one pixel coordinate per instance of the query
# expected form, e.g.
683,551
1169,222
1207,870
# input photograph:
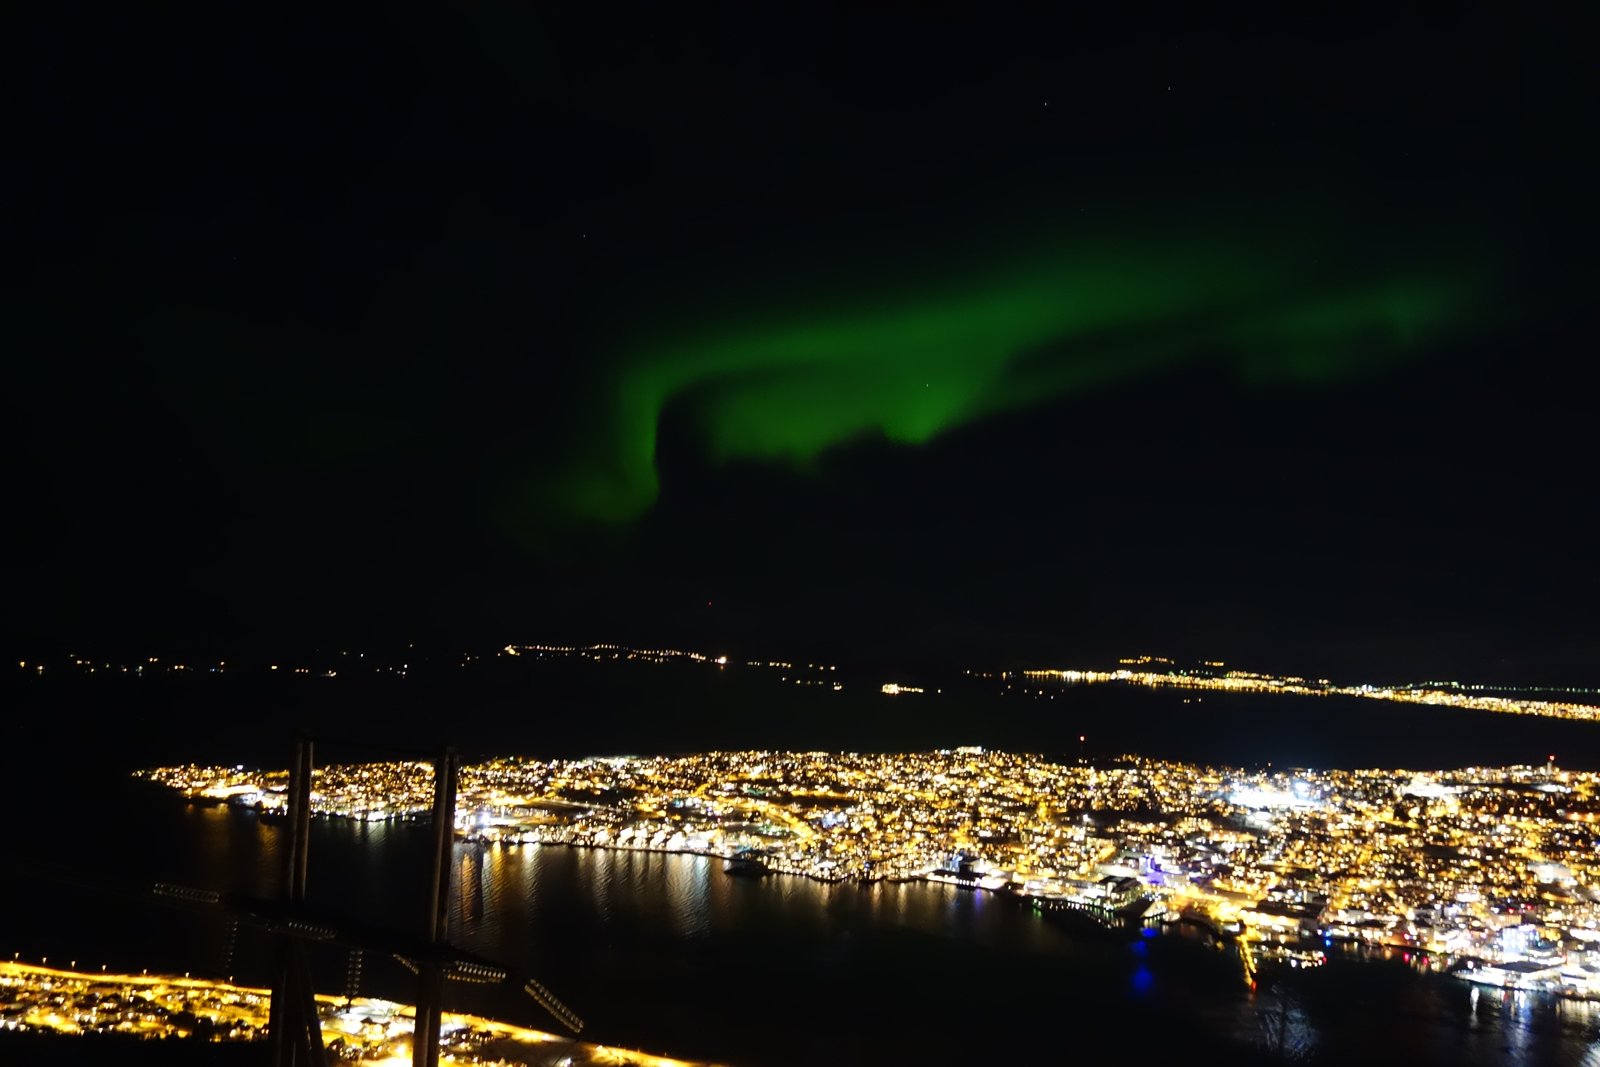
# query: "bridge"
294,1028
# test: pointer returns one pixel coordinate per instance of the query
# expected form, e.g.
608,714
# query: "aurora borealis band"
833,322
908,363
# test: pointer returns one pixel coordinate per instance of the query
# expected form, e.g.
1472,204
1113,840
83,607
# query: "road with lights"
1476,867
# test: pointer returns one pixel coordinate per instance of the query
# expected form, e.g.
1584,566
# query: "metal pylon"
293,1026
431,973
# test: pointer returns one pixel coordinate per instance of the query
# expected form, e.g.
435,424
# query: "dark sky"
889,331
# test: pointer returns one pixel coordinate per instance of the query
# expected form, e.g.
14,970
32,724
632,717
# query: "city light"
1443,863
368,1030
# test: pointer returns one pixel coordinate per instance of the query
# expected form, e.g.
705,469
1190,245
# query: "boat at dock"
747,864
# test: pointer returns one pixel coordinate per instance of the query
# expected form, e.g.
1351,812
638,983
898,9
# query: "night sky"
888,332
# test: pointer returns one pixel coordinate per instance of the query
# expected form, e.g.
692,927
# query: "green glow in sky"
908,365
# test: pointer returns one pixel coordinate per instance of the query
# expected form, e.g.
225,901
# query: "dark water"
668,954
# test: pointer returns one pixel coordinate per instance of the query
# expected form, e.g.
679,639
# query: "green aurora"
791,383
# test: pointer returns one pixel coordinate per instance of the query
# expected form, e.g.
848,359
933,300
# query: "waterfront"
167,1008
1462,866
667,954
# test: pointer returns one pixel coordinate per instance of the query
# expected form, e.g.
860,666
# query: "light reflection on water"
669,953
680,920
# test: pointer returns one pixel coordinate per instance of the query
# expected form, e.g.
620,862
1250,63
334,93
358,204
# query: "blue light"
1148,932
1143,980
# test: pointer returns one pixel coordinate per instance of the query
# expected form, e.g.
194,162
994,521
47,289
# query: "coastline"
1294,930
1277,954
378,1026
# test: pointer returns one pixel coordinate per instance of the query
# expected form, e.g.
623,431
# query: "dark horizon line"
438,653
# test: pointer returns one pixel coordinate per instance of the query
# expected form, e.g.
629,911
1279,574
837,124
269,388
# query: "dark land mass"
112,723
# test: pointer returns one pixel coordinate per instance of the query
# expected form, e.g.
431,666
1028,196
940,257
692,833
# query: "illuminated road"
146,1006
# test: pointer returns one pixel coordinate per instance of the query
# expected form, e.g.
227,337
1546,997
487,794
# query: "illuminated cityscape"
1155,671
677,502
1490,871
357,1029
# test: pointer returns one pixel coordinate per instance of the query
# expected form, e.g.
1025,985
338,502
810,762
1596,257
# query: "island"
1488,872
